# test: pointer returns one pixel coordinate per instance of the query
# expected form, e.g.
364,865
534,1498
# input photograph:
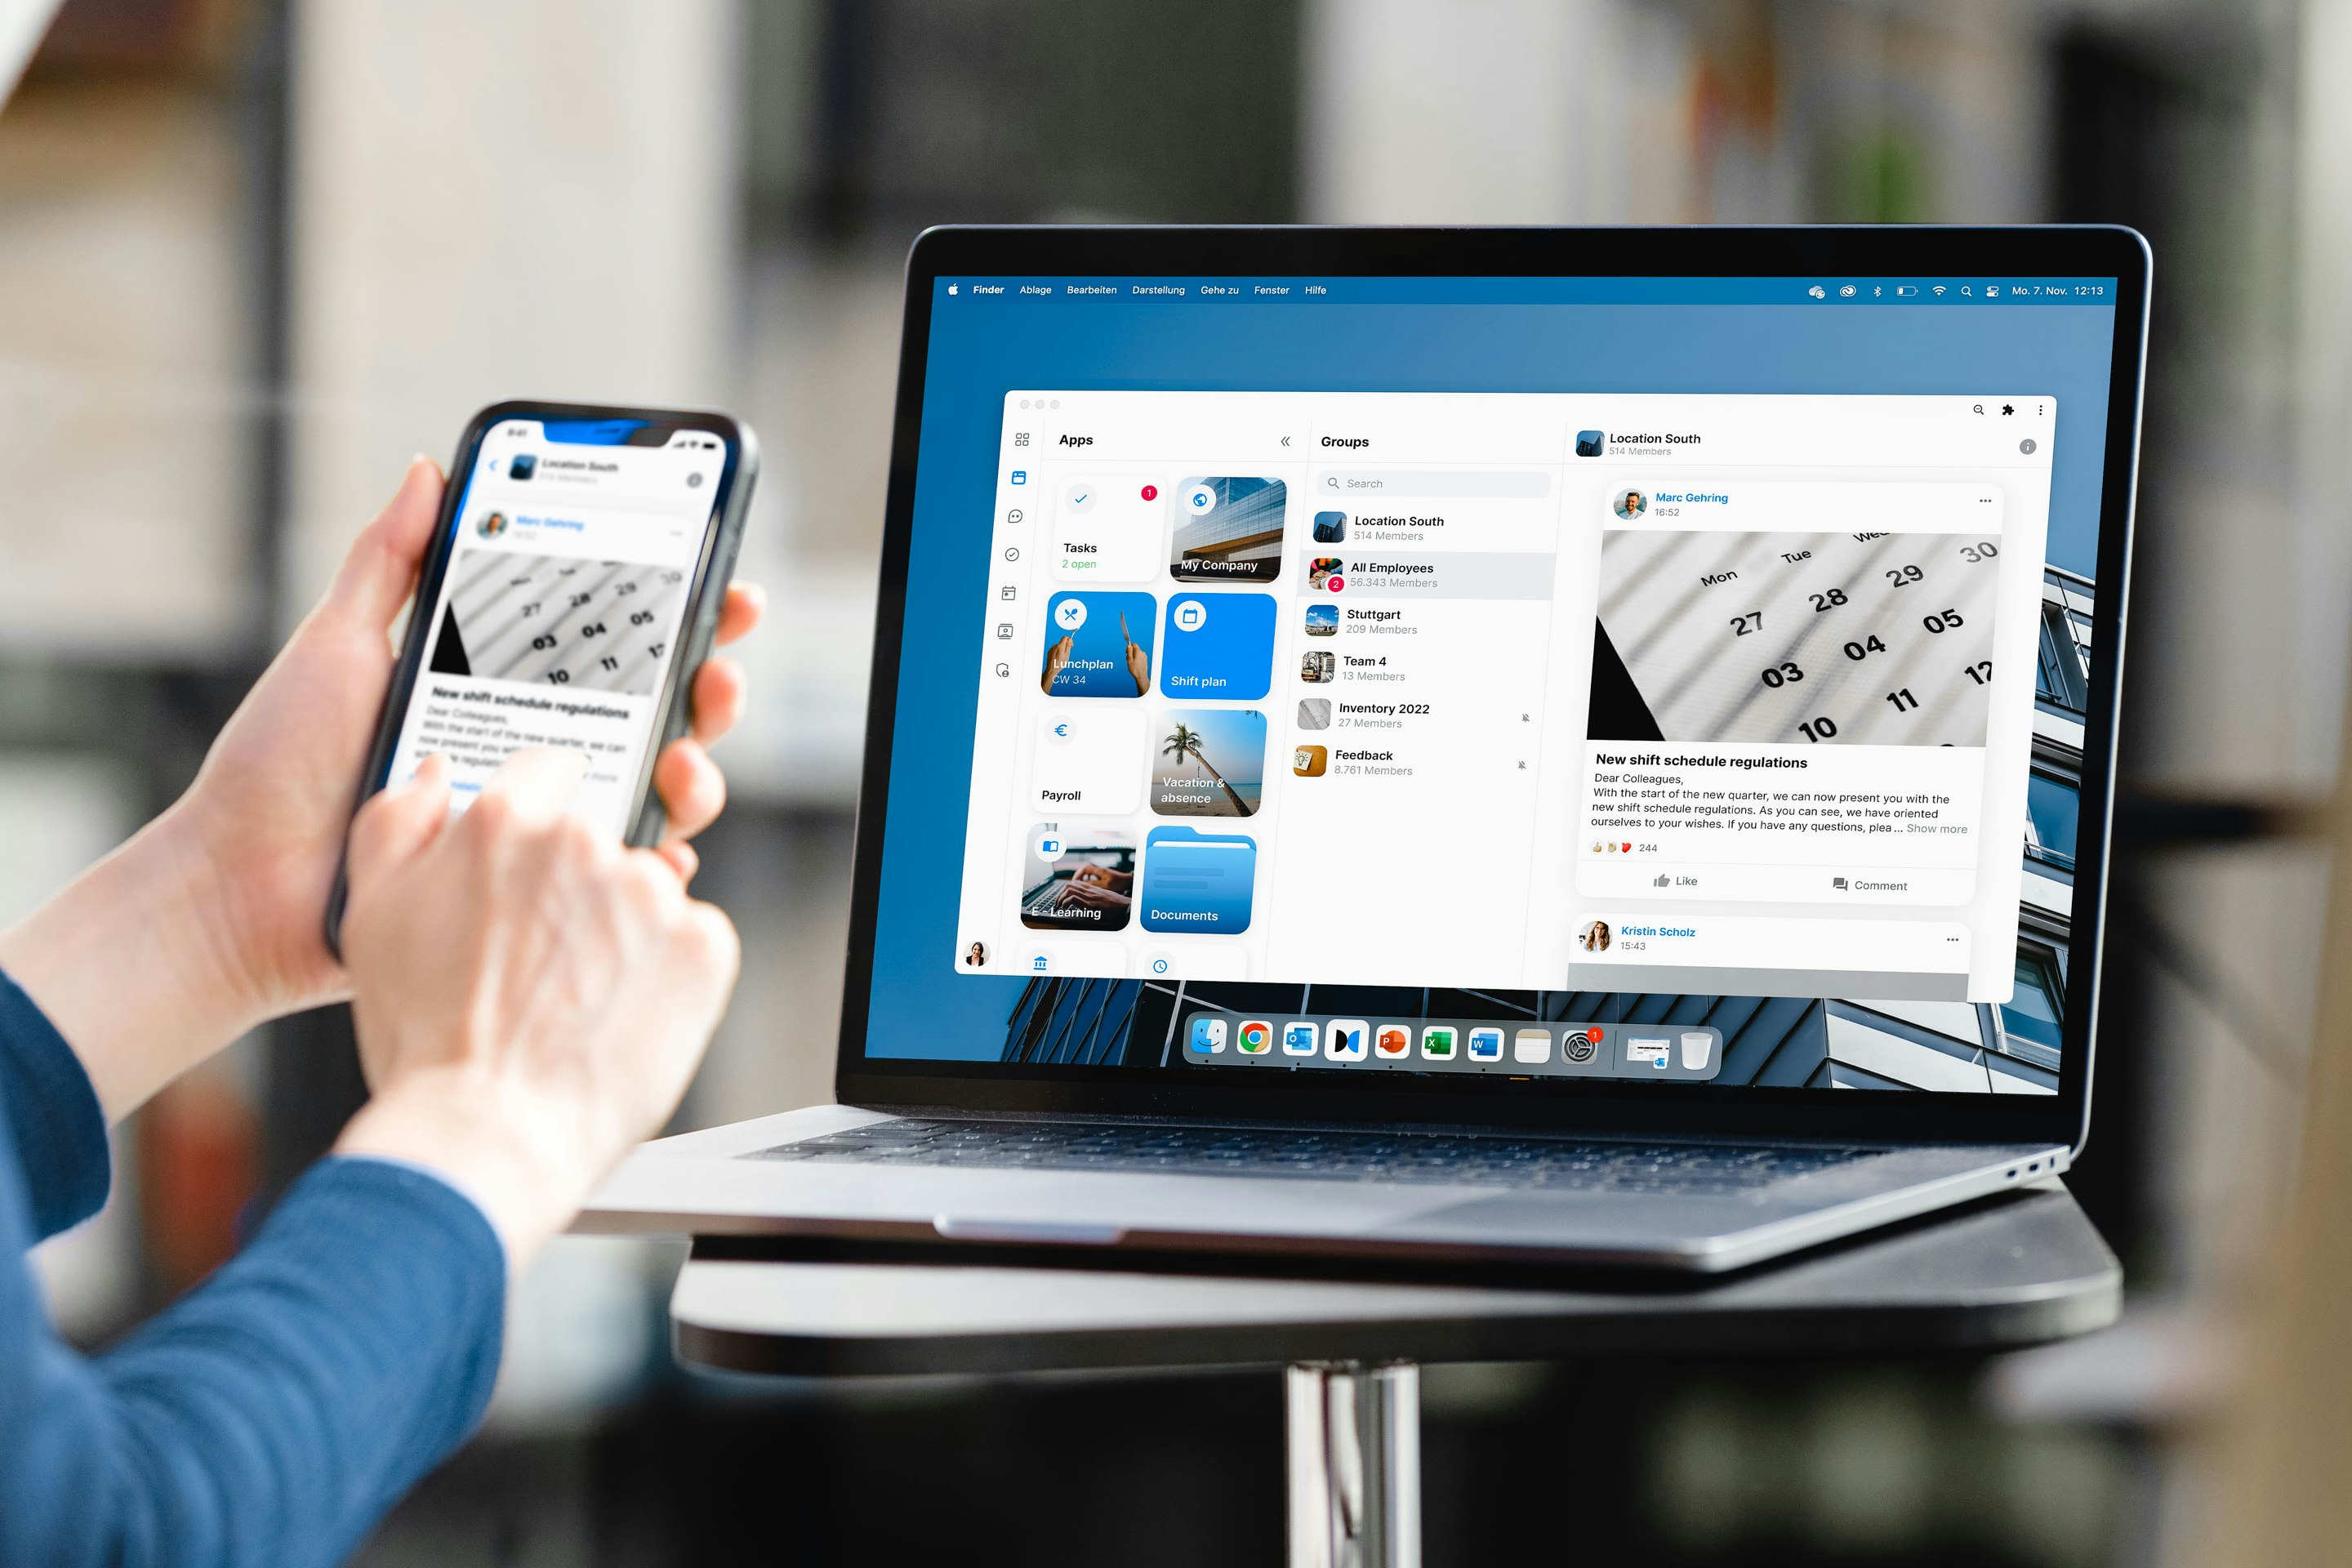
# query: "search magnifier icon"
1333,481
1979,407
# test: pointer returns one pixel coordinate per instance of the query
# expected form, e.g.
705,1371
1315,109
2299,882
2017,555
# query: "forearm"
132,963
524,1158
274,1414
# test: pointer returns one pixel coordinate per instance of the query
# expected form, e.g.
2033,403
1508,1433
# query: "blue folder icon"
1198,881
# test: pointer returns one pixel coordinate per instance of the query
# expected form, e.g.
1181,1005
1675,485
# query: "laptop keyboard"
1430,1159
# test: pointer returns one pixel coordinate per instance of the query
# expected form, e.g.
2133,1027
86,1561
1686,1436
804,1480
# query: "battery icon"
1905,290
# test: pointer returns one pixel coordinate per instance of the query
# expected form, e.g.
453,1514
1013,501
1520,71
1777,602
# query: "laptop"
1582,746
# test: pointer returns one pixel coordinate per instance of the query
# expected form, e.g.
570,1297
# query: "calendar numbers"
550,620
1845,664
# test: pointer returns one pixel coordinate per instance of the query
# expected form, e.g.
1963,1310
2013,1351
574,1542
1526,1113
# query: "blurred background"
253,253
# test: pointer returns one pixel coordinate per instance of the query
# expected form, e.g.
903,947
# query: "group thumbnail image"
1778,639
1087,883
1210,761
1228,531
599,625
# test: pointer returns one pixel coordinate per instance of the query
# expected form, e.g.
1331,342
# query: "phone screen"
564,607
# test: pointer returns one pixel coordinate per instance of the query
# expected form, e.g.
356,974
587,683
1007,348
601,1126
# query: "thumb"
399,823
378,575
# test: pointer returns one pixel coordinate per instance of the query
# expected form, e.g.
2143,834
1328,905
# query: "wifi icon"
1938,288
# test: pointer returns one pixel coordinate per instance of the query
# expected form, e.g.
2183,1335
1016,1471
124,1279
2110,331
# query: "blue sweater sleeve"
274,1414
50,1113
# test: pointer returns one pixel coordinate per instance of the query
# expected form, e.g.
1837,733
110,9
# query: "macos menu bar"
1823,291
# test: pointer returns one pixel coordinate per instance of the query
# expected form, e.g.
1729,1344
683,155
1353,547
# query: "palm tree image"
1184,744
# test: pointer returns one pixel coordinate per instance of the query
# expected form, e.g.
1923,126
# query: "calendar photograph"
1794,638
558,620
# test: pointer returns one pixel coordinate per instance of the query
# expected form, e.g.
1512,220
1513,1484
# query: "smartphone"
571,591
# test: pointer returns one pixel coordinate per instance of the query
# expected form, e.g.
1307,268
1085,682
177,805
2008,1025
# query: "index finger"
538,781
742,609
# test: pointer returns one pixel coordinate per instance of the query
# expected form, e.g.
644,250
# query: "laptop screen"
1674,681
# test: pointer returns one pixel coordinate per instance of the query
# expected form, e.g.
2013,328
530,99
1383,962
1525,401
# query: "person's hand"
1139,663
219,904
1056,656
274,797
531,997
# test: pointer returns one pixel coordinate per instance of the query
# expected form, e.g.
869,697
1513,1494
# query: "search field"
1502,484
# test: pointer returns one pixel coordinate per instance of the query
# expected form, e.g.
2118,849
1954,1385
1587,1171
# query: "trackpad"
1569,1220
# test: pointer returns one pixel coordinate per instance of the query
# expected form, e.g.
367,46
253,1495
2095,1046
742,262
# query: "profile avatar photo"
1631,504
1595,937
976,955
491,525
